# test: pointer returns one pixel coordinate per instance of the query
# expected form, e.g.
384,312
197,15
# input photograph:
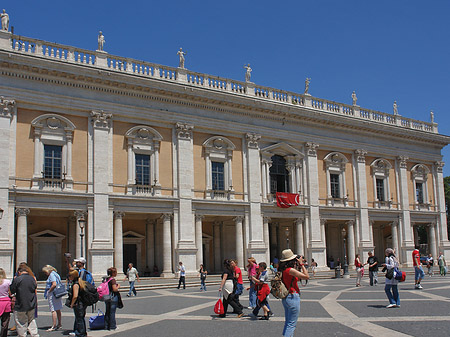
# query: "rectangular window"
419,193
218,176
334,186
380,190
142,169
52,161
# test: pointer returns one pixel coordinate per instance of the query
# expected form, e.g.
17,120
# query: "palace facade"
123,161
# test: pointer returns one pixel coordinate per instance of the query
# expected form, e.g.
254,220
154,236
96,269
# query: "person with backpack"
263,290
113,302
75,303
391,284
203,272
54,303
293,269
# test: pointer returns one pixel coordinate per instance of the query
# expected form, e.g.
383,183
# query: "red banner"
286,200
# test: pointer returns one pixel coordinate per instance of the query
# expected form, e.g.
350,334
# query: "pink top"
252,270
4,288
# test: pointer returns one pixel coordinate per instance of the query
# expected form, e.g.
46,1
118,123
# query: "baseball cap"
81,259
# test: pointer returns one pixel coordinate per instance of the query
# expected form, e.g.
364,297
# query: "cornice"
93,79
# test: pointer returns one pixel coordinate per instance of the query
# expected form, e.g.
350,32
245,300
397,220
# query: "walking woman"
5,303
111,306
79,309
251,272
390,287
293,269
203,272
227,288
359,270
55,304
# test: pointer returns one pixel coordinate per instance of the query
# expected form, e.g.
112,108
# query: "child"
263,290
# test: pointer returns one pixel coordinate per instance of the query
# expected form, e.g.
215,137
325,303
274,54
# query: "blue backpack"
87,276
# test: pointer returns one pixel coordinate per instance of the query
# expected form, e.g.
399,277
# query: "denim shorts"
418,273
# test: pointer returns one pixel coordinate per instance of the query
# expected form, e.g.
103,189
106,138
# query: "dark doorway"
129,255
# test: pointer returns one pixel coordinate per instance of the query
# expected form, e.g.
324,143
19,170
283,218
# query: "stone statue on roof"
181,54
354,98
307,80
5,20
248,73
432,116
395,108
101,41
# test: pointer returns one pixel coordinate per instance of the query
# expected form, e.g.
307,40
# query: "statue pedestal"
101,58
5,40
182,75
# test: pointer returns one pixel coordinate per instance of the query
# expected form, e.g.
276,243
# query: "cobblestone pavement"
332,307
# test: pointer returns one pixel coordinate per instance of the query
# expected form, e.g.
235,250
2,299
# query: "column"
407,243
444,244
317,244
118,241
199,238
150,243
263,180
365,237
217,255
72,235
167,246
80,215
274,240
256,245
266,221
239,240
394,232
299,248
432,240
186,247
351,242
22,235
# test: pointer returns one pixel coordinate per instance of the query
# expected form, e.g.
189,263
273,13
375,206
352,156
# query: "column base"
99,261
317,251
258,250
188,256
406,254
6,261
168,274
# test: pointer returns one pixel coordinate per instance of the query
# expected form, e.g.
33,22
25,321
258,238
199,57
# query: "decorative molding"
101,119
7,107
266,219
184,131
252,140
402,160
22,211
311,149
350,223
361,155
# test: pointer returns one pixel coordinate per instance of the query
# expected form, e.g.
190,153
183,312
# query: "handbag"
218,308
97,322
390,274
60,290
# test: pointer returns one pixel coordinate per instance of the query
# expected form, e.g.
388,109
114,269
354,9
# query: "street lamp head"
344,231
1,213
287,231
82,223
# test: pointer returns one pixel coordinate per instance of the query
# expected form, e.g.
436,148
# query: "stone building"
160,165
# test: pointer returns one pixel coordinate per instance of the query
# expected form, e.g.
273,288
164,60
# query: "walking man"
24,286
418,270
372,261
132,275
182,271
442,264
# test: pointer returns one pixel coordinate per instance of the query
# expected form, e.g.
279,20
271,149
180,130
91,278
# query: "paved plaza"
331,307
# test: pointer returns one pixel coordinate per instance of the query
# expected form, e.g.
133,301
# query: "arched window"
335,164
419,174
279,175
380,173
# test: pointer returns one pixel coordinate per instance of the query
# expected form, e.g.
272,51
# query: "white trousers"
25,321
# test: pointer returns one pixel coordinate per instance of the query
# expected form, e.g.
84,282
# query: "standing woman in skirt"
55,304
293,269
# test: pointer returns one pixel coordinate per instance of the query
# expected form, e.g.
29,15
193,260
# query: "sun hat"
287,255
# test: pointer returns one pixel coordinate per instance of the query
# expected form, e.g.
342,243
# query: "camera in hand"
68,255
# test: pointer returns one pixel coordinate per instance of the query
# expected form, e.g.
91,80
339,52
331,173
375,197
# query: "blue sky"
384,50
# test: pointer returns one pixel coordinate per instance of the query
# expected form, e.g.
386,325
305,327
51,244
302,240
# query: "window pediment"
52,127
281,149
143,138
335,160
218,145
420,172
381,166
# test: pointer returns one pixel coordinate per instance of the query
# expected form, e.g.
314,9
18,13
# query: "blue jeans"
393,297
418,273
291,306
79,326
132,289
110,315
202,284
252,296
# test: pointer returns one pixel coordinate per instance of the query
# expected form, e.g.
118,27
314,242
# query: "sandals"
54,328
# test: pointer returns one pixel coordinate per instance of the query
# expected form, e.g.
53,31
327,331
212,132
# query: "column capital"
119,214
199,217
299,221
80,215
350,223
22,211
439,166
394,223
238,218
166,216
402,161
323,221
7,107
150,221
266,219
252,140
360,155
311,149
101,119
184,131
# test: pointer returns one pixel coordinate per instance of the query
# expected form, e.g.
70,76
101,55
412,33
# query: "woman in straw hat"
293,269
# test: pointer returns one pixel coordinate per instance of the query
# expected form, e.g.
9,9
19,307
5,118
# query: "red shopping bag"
218,308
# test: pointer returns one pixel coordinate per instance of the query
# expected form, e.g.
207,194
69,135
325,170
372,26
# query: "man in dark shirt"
24,286
372,261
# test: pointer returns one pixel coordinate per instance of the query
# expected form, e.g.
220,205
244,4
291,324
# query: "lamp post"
286,231
82,224
344,235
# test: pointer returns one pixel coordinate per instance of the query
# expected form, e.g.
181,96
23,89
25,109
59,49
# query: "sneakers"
418,286
391,306
250,308
270,313
72,334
